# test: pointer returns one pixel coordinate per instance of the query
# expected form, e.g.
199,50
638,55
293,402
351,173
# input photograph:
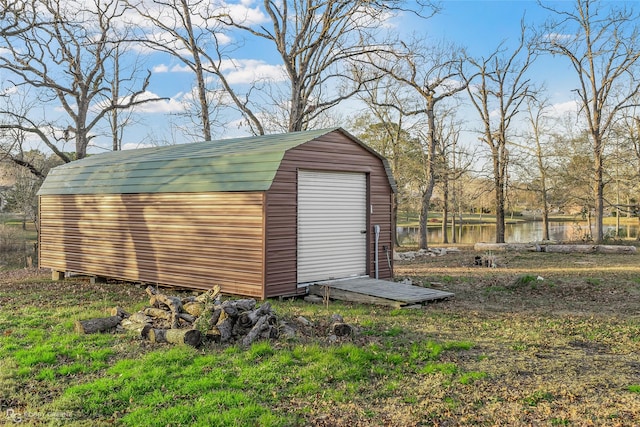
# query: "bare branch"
497,98
602,43
65,58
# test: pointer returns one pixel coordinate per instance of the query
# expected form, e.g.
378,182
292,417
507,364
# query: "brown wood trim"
370,234
264,246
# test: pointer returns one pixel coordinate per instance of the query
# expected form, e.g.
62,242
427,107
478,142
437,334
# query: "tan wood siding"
180,239
331,152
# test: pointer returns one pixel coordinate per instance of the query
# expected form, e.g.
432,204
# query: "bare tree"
634,138
602,43
431,75
497,87
17,16
453,162
317,41
459,161
535,147
383,128
625,166
188,31
18,118
574,164
21,197
124,68
66,62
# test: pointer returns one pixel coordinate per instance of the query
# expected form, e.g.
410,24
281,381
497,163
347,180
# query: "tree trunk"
225,326
394,200
199,71
173,303
99,324
158,313
191,337
500,181
115,93
571,249
454,237
194,308
81,144
120,312
599,193
445,210
265,327
424,214
298,105
499,209
545,224
250,318
454,203
545,209
139,329
430,178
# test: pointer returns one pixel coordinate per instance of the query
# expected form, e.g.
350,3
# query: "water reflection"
521,232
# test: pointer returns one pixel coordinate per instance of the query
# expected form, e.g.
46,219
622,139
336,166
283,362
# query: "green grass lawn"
510,349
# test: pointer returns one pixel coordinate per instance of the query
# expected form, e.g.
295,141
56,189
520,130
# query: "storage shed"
260,216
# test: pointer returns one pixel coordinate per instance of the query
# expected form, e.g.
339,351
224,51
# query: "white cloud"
451,84
237,71
164,68
244,71
180,68
134,145
160,68
243,12
558,37
563,108
11,90
171,105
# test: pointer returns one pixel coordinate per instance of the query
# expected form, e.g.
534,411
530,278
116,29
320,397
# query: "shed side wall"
181,239
331,152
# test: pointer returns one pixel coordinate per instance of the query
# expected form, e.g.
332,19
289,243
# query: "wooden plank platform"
381,292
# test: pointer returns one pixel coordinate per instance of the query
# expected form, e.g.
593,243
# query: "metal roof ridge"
123,156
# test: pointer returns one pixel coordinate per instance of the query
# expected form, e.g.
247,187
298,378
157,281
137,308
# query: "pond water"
520,232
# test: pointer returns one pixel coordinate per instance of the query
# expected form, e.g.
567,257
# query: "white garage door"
332,225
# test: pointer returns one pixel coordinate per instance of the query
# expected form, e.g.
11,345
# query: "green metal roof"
239,164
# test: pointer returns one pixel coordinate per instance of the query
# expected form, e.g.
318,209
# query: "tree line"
73,70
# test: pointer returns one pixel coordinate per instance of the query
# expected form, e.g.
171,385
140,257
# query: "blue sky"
479,26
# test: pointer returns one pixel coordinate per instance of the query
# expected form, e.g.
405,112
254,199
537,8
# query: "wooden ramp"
380,292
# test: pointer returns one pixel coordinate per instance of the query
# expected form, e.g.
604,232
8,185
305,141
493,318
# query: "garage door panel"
331,218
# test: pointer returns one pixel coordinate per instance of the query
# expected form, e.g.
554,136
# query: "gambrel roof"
238,164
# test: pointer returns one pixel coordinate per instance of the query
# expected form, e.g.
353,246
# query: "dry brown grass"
563,350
